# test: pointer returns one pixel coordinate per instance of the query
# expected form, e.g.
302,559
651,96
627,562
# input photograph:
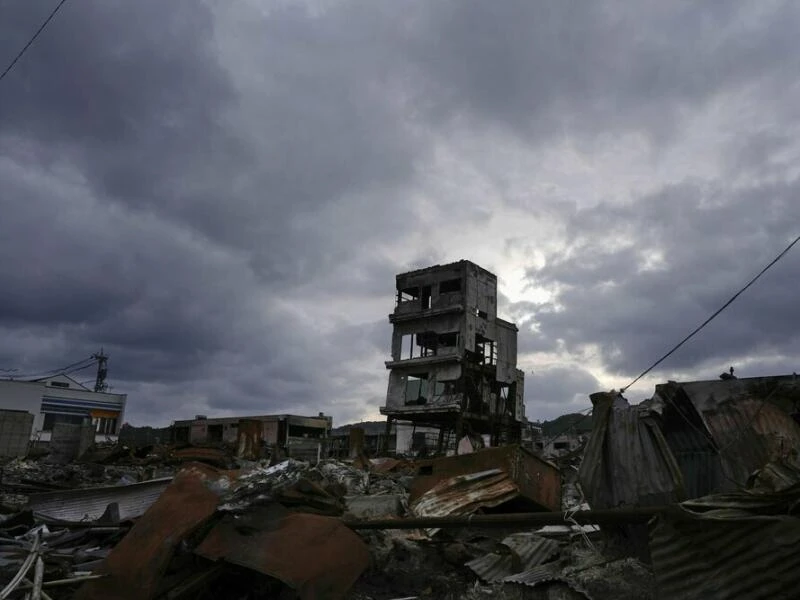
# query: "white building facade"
61,399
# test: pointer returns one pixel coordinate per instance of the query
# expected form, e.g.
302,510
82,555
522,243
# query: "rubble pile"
464,527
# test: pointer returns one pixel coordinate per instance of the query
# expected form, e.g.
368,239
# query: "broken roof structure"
689,440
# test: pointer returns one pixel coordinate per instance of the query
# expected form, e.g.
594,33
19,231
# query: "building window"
50,419
487,349
105,425
426,343
448,340
417,389
59,384
407,295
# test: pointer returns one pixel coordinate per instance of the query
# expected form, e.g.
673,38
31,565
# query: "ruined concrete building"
454,362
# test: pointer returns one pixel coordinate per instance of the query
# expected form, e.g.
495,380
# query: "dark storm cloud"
709,242
565,66
216,193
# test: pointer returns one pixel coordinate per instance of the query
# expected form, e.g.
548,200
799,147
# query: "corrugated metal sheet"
136,565
90,503
539,481
627,461
545,574
525,551
464,494
729,551
749,433
318,556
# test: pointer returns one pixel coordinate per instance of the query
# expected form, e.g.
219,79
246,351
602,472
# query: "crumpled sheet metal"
135,565
89,504
317,556
721,548
465,494
525,551
544,574
538,481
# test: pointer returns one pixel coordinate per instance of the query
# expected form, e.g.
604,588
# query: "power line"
86,362
712,317
33,39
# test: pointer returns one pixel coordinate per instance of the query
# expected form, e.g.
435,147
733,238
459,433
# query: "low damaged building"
454,361
61,400
301,437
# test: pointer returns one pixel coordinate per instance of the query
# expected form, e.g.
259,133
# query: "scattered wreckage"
635,521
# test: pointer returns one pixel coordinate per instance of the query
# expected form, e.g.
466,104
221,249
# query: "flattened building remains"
453,362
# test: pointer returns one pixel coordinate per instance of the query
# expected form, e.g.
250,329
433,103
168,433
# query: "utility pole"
100,384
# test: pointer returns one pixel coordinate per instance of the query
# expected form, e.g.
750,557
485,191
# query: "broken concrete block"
373,507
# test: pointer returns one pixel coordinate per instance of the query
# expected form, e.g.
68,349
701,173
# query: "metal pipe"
38,578
23,570
610,516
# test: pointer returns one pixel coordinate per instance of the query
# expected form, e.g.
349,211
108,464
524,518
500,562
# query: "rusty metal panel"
90,503
464,494
135,565
319,557
249,437
538,481
725,554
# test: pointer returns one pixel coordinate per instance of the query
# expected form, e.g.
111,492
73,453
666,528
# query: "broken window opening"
561,445
417,389
427,342
407,346
449,339
407,294
450,286
425,302
419,345
50,419
481,313
487,349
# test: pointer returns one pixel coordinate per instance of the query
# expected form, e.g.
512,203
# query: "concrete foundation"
68,442
15,433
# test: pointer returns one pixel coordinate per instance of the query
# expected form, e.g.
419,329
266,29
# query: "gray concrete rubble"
148,527
220,529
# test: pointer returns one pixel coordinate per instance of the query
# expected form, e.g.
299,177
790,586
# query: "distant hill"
565,423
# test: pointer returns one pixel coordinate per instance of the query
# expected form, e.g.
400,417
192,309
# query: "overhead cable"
713,316
33,39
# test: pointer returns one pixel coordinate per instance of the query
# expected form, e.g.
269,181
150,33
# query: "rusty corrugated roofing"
525,551
539,481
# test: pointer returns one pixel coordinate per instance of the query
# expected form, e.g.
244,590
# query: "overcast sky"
220,193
